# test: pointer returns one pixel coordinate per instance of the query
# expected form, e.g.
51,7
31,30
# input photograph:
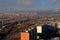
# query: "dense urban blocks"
12,25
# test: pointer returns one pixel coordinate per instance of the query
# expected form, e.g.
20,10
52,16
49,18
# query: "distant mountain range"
55,11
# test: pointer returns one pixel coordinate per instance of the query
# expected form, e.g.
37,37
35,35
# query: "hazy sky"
6,5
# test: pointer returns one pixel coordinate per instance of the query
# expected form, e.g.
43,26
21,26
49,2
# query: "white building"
58,25
39,29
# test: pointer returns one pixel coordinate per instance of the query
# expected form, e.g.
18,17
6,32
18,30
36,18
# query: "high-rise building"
58,25
32,34
39,29
24,36
39,32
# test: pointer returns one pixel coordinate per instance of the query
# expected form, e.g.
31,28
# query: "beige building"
58,24
39,29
